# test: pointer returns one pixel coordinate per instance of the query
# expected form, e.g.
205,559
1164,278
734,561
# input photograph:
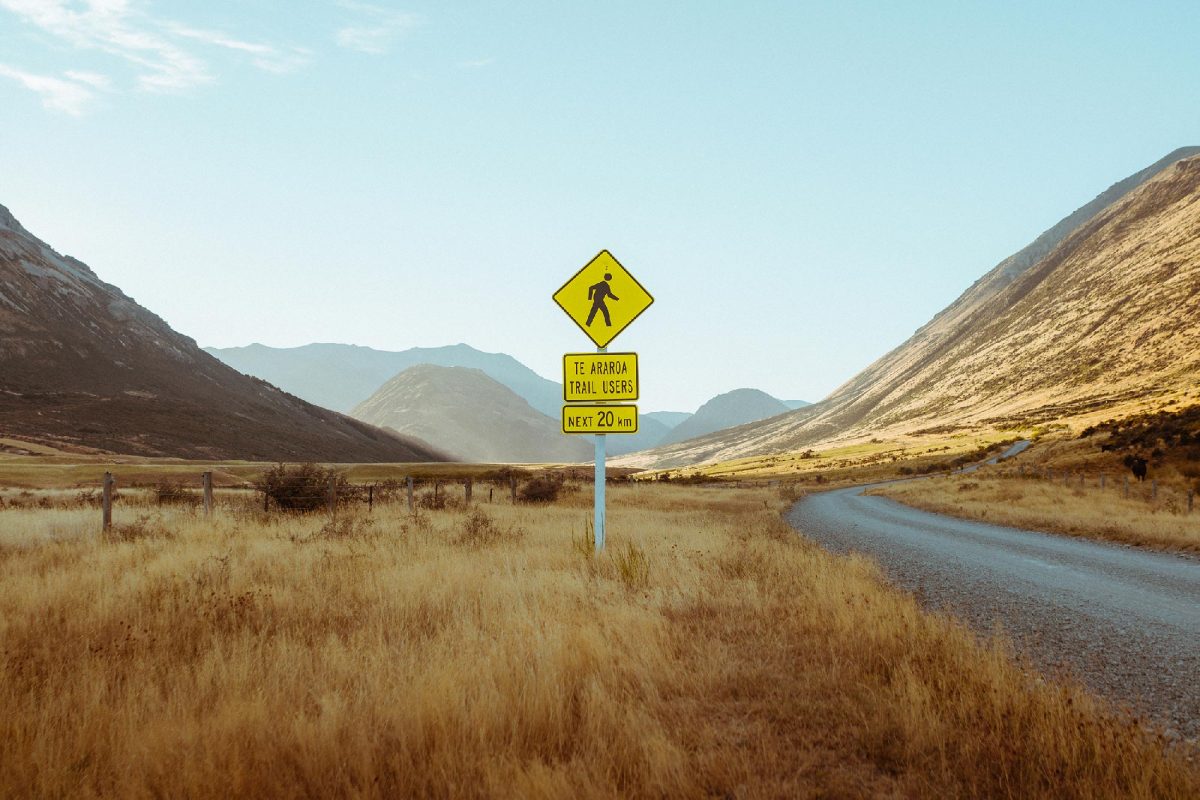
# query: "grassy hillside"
1097,325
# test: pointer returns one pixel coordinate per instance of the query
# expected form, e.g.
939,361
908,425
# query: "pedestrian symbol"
597,293
603,298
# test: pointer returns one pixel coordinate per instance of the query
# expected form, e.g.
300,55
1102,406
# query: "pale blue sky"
801,185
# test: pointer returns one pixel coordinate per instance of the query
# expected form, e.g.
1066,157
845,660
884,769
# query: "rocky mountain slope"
84,367
340,376
726,411
471,416
1098,312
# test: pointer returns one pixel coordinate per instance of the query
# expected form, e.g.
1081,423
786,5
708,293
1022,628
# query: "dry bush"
633,566
301,488
144,527
346,526
542,489
175,493
479,529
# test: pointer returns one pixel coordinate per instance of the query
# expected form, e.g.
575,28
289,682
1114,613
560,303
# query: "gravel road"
1125,622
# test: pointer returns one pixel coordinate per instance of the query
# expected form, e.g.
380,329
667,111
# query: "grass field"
487,653
1037,504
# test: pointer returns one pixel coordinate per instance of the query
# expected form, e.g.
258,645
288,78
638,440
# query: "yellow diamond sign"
603,298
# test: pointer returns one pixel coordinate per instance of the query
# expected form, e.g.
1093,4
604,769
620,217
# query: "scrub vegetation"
1060,506
485,652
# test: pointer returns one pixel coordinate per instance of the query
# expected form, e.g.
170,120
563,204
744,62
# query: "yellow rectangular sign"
600,376
599,419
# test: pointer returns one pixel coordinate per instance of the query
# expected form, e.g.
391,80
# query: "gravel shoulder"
1124,622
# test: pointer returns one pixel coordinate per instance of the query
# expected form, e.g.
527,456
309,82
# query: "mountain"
794,404
83,366
726,411
651,431
670,419
470,415
340,376
1096,314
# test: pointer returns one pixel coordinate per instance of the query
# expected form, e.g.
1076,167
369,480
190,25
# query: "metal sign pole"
598,491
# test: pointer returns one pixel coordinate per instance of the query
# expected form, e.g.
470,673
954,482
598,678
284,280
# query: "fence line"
337,493
1068,479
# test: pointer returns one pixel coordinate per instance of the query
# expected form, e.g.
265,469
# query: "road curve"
1125,622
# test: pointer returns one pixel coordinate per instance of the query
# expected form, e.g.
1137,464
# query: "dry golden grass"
1045,505
711,652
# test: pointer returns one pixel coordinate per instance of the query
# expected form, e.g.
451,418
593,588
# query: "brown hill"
1100,311
470,415
82,366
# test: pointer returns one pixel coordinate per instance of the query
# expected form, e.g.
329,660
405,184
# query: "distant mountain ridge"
727,410
340,376
83,366
469,415
1089,315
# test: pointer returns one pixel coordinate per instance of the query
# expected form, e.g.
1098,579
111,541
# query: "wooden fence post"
512,488
108,493
467,492
491,490
208,497
410,494
437,488
333,497
371,498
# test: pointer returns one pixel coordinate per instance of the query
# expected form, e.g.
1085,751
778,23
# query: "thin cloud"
161,52
116,28
93,79
376,27
58,94
264,56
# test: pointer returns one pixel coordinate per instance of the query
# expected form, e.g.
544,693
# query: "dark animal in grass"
1137,465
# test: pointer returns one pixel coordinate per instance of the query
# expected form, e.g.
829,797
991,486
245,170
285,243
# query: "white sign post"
599,483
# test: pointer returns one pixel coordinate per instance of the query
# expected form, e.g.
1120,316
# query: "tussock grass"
1051,506
709,652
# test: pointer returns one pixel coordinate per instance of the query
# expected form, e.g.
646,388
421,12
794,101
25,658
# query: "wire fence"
1126,486
334,493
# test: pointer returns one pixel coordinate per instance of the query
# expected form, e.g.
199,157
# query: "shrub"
302,488
346,526
542,489
145,527
480,530
175,493
633,566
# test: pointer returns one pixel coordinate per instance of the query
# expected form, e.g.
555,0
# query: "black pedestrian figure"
596,293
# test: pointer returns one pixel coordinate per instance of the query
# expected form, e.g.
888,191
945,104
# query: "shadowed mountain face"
1098,311
470,415
726,411
340,376
84,366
